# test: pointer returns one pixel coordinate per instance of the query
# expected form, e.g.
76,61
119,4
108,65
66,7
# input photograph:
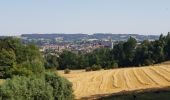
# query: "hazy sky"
84,16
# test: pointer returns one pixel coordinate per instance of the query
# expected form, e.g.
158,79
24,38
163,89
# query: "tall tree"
68,60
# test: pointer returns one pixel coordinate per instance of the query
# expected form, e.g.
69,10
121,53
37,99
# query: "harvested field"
104,82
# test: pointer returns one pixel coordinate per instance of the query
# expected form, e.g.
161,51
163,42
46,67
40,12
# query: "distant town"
79,43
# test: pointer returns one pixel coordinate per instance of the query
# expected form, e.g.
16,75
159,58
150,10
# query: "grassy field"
102,83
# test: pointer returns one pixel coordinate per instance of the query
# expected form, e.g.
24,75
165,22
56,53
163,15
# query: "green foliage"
66,71
103,57
28,53
62,88
4,70
123,54
27,69
51,61
143,52
118,54
19,59
7,58
19,71
88,69
115,65
26,88
68,60
167,46
148,62
83,61
129,51
96,67
23,64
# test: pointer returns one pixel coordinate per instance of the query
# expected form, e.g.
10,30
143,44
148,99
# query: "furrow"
121,83
149,75
115,79
165,69
138,77
126,77
159,73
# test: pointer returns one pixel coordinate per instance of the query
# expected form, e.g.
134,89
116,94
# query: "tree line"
124,54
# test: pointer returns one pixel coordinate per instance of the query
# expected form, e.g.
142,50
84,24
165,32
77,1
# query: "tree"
83,61
158,51
92,59
118,53
7,61
62,88
7,58
68,60
167,46
129,51
103,56
143,55
10,43
51,61
21,59
26,88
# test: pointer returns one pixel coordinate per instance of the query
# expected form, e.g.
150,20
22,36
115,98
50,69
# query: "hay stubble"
87,84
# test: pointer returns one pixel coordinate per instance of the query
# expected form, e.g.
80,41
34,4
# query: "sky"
84,16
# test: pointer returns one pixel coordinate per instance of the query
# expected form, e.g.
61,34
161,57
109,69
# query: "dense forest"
22,68
123,54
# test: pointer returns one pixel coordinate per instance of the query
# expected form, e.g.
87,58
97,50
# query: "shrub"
52,87
4,72
27,69
26,88
62,88
105,68
115,65
51,62
88,69
148,62
66,71
96,67
19,71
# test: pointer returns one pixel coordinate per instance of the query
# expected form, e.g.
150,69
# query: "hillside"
105,82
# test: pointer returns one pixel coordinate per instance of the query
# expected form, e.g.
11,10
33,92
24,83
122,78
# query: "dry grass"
89,84
2,81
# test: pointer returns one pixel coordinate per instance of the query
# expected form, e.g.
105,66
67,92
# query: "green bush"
51,61
88,69
148,62
26,88
114,65
19,71
4,72
96,67
53,87
62,88
27,69
66,71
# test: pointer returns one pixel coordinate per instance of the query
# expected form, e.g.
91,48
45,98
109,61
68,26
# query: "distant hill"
2,37
99,36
